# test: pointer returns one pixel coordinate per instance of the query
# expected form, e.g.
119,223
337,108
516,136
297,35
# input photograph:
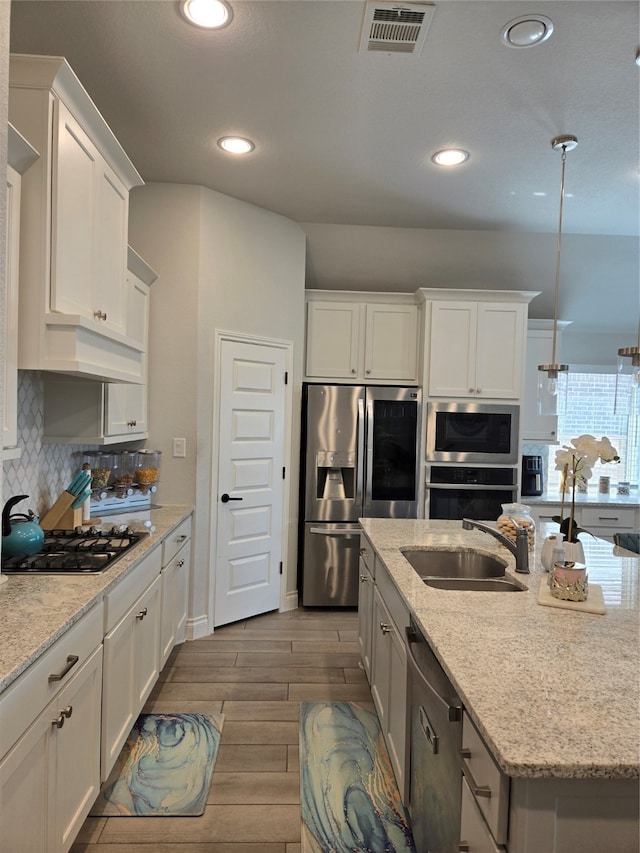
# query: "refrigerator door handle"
369,458
343,531
360,469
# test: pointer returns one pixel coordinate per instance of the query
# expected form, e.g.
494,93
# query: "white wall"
221,264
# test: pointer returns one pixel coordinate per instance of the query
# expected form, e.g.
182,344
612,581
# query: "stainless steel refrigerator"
359,459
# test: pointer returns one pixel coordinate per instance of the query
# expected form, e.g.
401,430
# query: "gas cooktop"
82,551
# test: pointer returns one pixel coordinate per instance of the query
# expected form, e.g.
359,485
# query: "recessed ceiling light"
526,31
236,144
450,157
210,14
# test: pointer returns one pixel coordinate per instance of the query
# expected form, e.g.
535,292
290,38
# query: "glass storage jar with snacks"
521,515
101,466
125,466
147,470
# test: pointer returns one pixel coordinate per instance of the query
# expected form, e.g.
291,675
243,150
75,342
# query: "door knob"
226,498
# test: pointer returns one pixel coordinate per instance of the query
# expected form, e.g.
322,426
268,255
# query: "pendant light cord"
558,254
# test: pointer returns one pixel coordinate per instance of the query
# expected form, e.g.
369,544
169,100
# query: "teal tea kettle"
21,533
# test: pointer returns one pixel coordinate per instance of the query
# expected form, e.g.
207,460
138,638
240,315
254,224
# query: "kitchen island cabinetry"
365,605
477,349
361,341
50,777
542,732
382,619
131,653
75,225
81,411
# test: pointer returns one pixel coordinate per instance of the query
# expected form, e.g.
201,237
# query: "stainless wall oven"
469,432
466,491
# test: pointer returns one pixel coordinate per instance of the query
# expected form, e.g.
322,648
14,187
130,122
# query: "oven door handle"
473,486
454,712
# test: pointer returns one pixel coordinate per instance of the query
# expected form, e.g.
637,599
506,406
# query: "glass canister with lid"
101,465
147,470
125,466
521,515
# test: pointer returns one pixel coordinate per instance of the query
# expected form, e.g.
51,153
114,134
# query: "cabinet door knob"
140,616
478,390
180,563
353,370
100,315
184,535
131,423
59,721
368,371
67,712
384,628
364,578
471,390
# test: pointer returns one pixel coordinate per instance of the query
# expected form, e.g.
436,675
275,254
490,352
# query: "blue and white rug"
164,768
348,793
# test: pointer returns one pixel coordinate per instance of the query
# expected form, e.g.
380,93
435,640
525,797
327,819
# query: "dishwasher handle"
454,711
339,531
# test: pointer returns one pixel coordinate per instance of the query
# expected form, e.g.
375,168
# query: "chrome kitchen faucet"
519,548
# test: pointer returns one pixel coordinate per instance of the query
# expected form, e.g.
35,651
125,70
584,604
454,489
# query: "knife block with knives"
66,512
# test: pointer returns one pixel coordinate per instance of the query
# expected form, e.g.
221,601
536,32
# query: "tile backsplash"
43,470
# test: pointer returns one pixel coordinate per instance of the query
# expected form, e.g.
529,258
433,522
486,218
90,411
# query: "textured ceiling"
344,137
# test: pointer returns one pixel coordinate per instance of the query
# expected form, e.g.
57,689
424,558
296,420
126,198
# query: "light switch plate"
180,447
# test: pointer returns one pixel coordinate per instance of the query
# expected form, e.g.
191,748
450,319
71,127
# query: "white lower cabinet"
50,777
603,521
365,606
388,667
176,569
474,833
131,655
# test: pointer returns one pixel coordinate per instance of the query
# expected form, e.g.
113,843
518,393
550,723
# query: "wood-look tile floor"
256,672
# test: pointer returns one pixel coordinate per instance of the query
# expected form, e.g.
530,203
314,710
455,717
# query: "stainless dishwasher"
434,723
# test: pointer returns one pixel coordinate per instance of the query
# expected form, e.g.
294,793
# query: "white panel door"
250,493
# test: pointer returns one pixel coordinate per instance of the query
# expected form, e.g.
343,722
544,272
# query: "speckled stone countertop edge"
516,729
39,609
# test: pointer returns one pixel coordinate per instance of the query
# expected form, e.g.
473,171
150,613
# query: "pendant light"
628,365
548,384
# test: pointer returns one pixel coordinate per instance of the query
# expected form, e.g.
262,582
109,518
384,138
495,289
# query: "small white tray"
593,604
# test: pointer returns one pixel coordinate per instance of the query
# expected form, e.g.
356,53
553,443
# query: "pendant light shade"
550,375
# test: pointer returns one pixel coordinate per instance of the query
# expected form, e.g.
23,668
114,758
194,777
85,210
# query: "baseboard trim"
290,602
196,628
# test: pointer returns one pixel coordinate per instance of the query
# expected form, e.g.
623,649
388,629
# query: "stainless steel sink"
454,564
475,584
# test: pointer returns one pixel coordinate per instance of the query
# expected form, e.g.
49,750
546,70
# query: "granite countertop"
591,498
35,610
554,692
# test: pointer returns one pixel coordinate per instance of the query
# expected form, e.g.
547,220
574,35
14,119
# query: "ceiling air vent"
396,27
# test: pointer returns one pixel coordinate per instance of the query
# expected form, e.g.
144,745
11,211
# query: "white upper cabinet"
539,428
73,256
361,341
477,348
89,412
20,156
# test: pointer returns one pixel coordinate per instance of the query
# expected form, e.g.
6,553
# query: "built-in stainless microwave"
475,433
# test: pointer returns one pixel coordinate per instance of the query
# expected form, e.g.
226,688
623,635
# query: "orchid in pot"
576,462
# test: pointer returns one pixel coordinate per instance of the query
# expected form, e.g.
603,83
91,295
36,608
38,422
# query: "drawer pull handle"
463,847
72,660
62,716
181,538
384,628
140,616
607,518
478,790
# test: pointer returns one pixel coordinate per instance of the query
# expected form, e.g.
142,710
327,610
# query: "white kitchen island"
554,693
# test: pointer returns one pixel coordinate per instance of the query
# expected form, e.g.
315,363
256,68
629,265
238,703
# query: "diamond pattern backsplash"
43,470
